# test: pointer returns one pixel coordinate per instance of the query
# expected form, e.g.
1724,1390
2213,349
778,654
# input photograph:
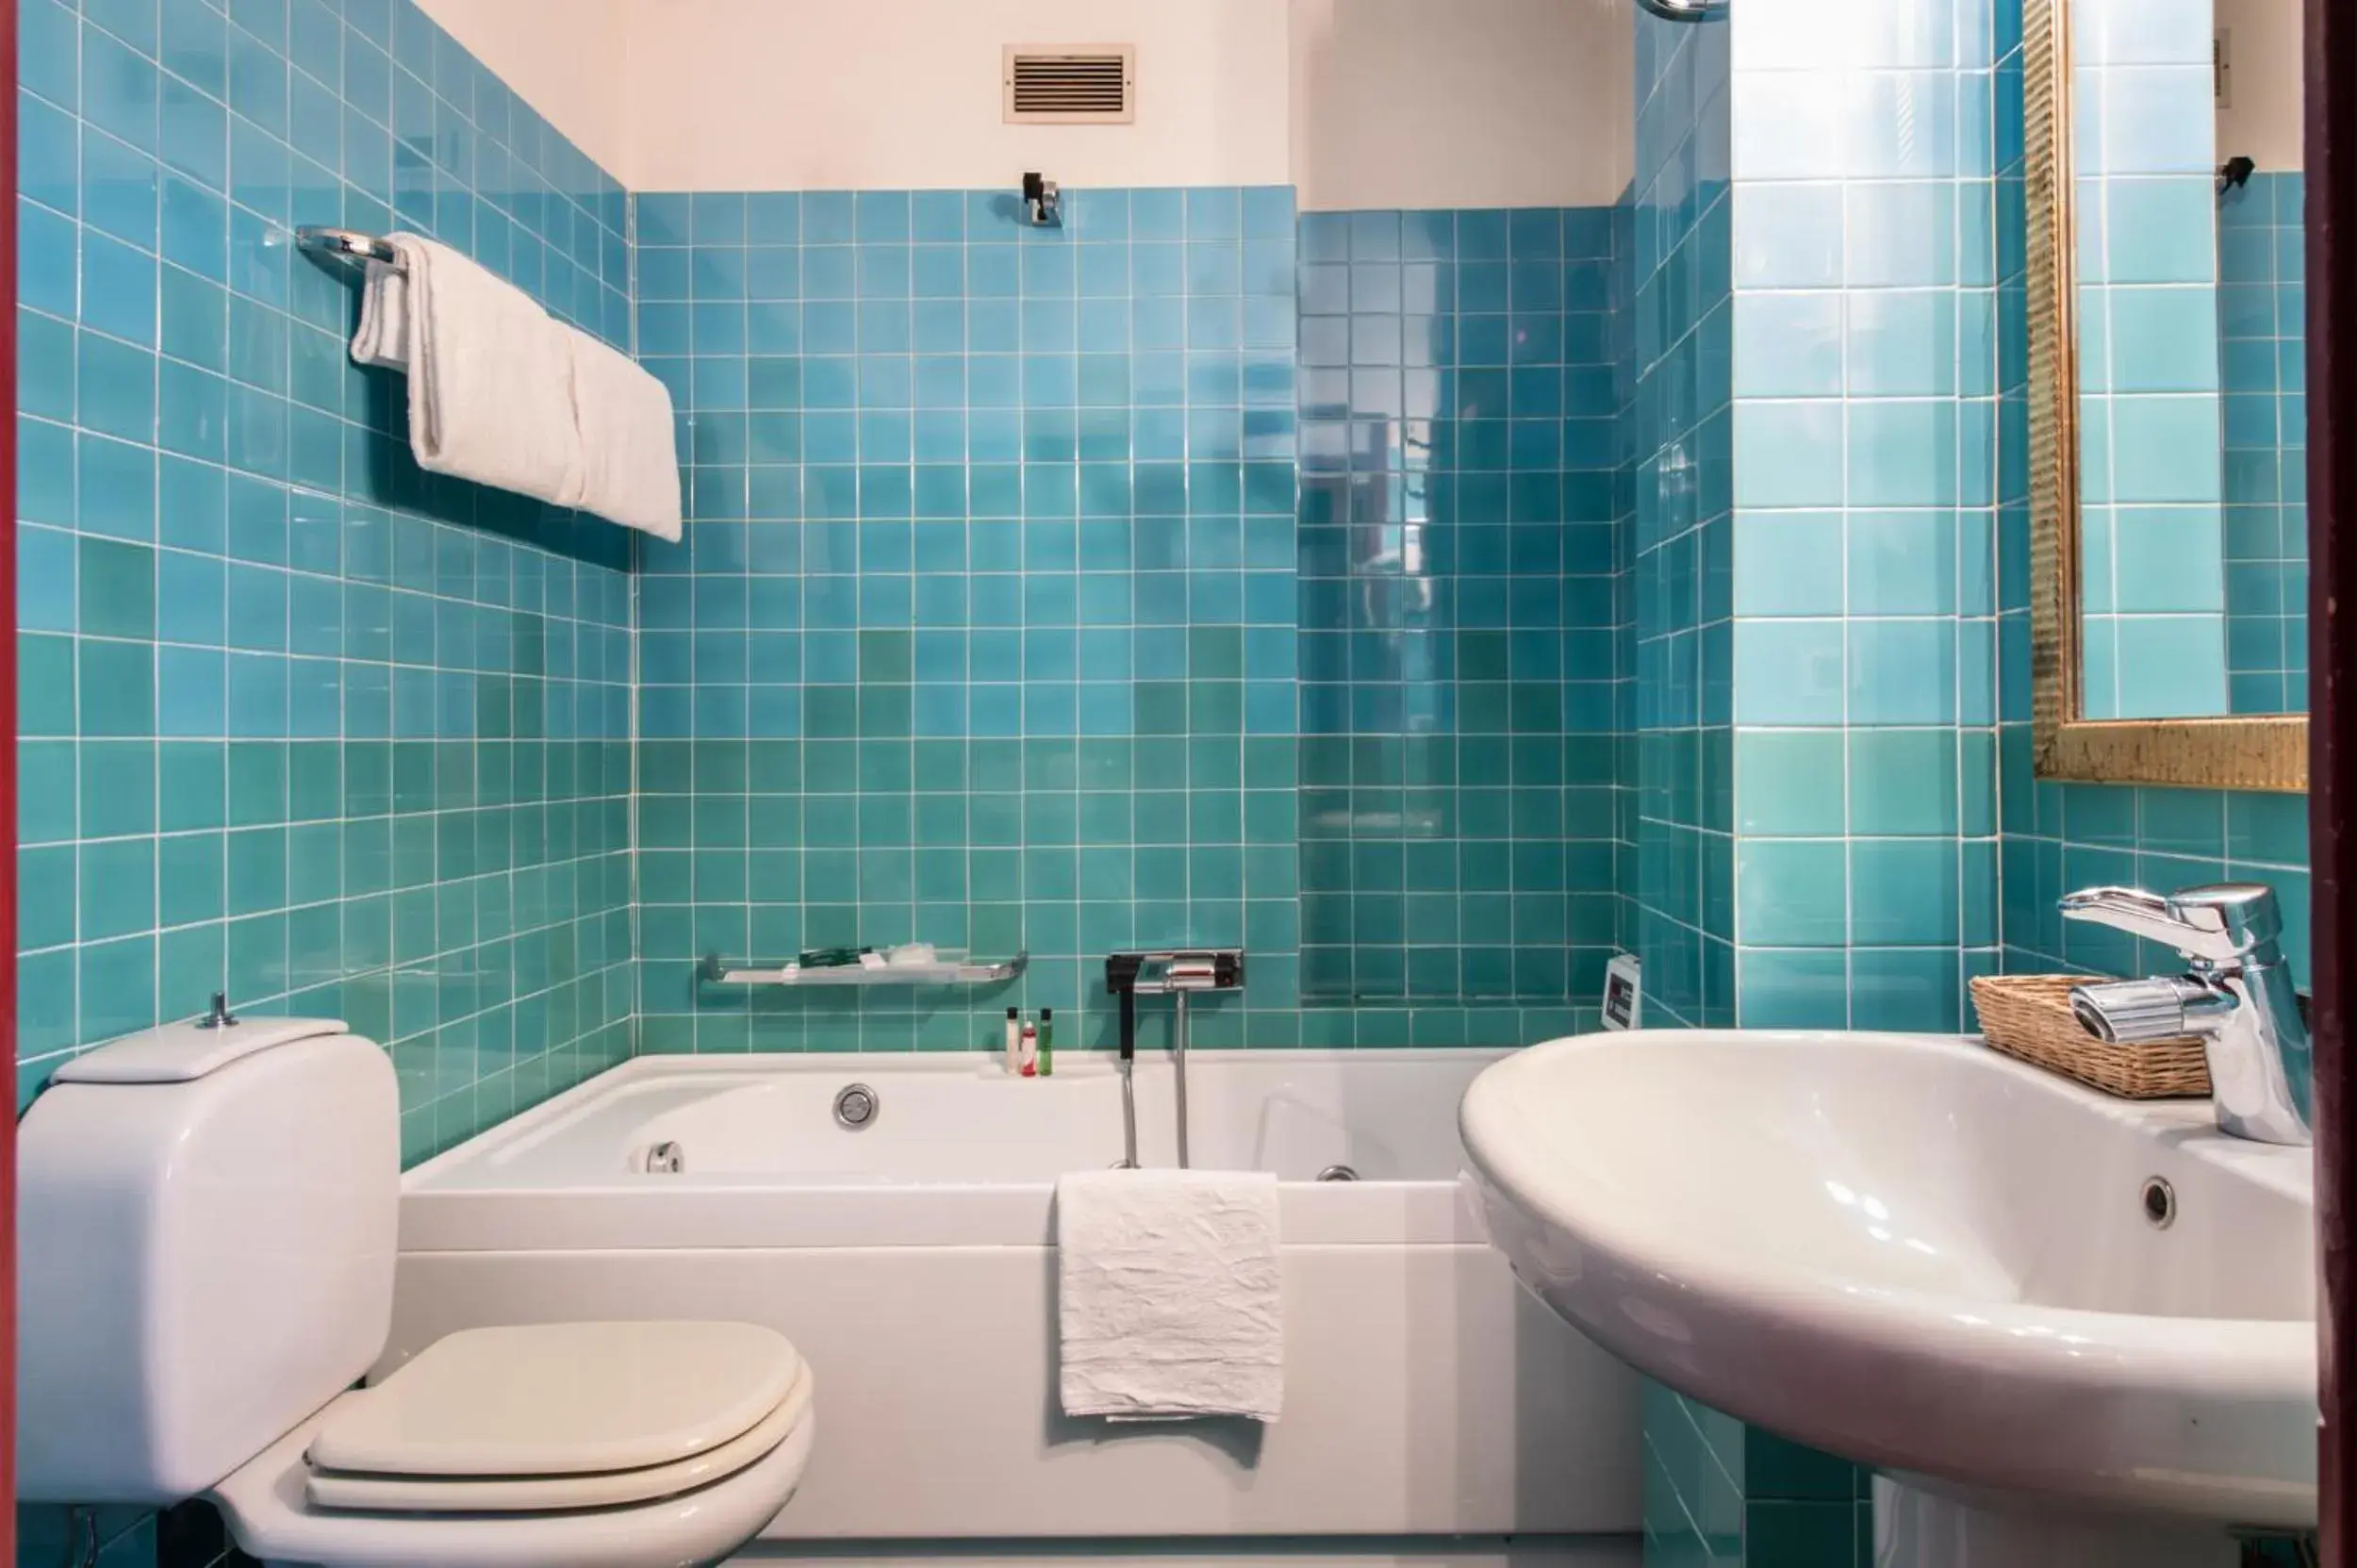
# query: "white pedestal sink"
2064,1327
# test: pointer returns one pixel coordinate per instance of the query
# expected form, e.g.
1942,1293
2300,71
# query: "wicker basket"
2029,1016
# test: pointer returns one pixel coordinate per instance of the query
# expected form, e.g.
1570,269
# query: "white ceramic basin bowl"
1919,1254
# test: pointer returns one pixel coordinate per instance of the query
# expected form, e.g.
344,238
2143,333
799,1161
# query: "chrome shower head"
1686,11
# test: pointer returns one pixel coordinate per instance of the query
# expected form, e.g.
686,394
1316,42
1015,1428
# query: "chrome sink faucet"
2237,998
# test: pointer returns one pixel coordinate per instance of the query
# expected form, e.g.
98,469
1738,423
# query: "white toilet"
207,1221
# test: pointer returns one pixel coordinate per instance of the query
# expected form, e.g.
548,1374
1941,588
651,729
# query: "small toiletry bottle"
1014,1041
1046,1041
1027,1056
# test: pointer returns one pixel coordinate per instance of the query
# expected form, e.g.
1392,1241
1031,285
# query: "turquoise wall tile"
1794,989
1793,672
1903,671
202,590
2261,353
1903,892
1789,345
1904,342
1789,453
1902,453
1788,236
2167,560
1090,598
2166,449
1792,893
1903,563
1789,564
1905,781
1776,1469
1790,782
2169,665
1799,1535
2162,340
2167,227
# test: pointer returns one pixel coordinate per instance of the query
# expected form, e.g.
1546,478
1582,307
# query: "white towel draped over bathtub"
1170,1296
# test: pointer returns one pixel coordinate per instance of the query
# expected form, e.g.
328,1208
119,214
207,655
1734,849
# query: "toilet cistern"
216,1209
2237,996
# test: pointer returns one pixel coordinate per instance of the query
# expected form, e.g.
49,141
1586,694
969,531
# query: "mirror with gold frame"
2166,412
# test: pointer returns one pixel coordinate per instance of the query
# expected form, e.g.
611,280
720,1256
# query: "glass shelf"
951,968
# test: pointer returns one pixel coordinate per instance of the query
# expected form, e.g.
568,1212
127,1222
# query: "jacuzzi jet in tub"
855,1107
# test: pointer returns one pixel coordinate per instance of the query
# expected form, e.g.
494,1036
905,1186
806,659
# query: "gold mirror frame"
2256,752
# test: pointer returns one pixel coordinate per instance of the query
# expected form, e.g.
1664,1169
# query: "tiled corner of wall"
2263,355
298,722
1676,447
997,627
2057,837
983,630
2148,268
2061,836
1718,1491
1866,487
1457,574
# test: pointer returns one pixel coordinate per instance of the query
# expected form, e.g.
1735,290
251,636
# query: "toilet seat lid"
561,1399
335,1489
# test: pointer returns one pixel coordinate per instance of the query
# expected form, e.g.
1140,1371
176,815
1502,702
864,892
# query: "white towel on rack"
1170,1295
629,450
383,341
490,374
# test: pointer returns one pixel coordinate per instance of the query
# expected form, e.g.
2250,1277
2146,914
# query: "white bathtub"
912,1262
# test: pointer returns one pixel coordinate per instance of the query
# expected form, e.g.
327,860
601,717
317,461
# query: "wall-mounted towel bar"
347,243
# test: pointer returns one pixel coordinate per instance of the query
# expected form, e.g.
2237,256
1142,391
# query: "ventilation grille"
1093,84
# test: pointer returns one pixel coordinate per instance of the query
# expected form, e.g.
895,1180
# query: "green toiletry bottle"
1046,1041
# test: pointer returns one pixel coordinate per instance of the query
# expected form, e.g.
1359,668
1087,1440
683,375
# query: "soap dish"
2029,1018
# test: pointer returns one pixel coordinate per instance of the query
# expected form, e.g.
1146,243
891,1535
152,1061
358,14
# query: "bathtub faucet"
1175,974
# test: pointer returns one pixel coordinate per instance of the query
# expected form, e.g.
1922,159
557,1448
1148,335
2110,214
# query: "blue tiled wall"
2057,836
1676,537
989,627
2146,150
1629,432
1865,494
1719,1492
983,630
1851,589
2263,355
1455,645
299,722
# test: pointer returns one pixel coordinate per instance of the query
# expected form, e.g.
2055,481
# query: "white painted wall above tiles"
892,95
1462,103
1360,103
568,59
2262,123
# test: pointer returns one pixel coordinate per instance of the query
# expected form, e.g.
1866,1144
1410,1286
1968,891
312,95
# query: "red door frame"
2331,159
7,777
